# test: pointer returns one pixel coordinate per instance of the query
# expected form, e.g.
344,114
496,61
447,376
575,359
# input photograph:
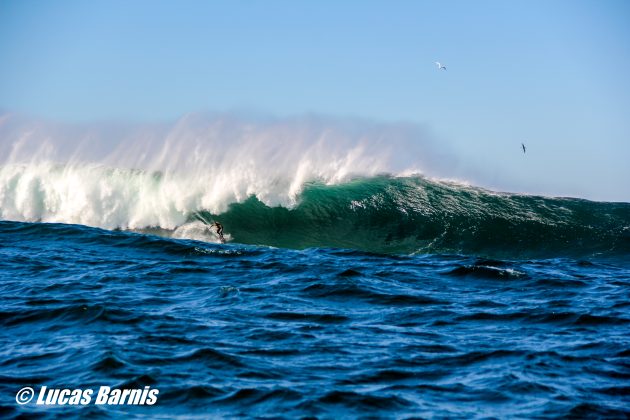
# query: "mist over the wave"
131,176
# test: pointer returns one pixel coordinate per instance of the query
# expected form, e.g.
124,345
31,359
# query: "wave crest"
156,175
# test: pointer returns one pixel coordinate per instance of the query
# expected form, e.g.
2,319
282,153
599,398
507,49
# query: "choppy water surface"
238,330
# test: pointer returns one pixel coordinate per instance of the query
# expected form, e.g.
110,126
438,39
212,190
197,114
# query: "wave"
296,183
417,215
383,214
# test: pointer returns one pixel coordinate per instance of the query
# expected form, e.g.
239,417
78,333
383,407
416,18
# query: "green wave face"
415,215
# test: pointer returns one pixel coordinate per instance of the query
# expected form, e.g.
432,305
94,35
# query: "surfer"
219,228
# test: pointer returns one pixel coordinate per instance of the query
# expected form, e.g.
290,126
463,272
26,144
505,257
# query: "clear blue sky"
554,74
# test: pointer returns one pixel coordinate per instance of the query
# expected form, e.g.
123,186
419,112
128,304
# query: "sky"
552,74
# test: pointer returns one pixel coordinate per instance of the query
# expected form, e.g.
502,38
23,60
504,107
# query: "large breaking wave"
414,214
308,182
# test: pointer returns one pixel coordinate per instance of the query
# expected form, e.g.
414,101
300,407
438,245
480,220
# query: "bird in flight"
440,66
523,146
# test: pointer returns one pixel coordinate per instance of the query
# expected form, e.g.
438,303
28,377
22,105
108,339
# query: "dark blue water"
244,331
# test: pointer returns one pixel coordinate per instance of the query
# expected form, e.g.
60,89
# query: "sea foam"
134,176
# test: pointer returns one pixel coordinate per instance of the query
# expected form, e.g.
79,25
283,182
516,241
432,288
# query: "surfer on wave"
219,228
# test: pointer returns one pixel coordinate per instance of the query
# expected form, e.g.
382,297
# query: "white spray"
157,175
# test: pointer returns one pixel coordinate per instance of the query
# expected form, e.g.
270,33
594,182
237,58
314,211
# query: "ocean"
355,296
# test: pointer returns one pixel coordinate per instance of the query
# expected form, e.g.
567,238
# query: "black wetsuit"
219,227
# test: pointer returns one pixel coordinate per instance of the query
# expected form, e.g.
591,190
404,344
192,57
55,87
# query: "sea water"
341,292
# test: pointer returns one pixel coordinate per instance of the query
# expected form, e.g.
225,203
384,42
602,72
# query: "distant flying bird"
523,146
440,67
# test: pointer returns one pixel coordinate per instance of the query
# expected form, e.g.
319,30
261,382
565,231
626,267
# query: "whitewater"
157,175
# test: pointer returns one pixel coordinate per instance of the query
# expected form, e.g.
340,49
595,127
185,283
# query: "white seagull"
440,67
